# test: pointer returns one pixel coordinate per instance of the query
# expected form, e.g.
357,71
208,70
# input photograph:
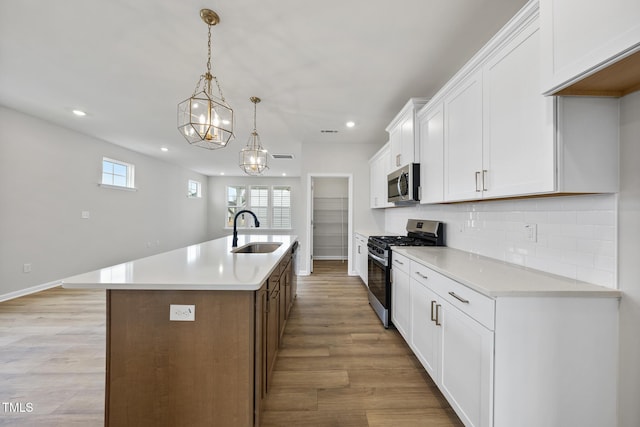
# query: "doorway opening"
330,218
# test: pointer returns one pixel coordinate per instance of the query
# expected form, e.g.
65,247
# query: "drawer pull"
459,298
433,319
421,275
399,262
437,320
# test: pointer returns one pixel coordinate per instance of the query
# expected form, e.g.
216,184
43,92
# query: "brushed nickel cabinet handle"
422,275
432,310
477,176
484,180
459,298
438,315
399,262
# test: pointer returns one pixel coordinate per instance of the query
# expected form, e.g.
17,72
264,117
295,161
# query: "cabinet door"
282,304
361,257
425,334
260,348
378,170
408,141
273,320
463,140
518,144
430,132
580,35
395,140
401,301
466,370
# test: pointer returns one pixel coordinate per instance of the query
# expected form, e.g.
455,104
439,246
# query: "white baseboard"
29,291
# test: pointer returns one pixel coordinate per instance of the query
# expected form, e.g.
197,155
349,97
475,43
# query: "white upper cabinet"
430,133
518,149
463,140
402,135
582,37
502,138
498,128
378,170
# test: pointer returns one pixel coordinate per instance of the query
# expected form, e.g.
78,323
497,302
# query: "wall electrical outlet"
26,268
85,215
531,232
182,313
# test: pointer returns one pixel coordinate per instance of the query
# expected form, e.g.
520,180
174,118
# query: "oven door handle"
377,258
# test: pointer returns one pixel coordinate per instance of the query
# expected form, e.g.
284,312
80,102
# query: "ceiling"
316,65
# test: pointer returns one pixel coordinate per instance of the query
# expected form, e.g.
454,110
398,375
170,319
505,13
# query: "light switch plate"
531,232
182,313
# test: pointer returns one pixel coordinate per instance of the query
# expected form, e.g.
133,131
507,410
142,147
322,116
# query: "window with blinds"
259,203
272,206
281,207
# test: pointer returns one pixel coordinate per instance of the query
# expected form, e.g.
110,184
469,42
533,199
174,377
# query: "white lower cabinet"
425,334
401,294
517,360
466,366
362,257
454,348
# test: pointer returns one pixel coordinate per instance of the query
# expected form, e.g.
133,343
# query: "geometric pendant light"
253,158
206,120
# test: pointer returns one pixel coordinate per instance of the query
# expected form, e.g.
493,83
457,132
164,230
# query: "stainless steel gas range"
419,233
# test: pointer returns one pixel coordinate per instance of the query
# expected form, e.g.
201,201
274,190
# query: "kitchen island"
192,333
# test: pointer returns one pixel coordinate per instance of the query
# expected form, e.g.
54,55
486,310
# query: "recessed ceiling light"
284,174
164,149
221,173
350,124
79,113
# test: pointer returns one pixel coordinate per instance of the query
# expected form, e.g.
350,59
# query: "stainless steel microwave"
403,185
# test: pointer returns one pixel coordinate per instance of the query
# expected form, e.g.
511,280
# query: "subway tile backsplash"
572,236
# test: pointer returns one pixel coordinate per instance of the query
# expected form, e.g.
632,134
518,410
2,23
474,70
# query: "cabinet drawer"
400,262
477,306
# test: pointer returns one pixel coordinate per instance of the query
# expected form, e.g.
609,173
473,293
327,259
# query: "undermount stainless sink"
257,248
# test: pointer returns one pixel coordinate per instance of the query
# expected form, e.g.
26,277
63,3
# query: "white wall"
629,261
217,198
576,235
331,158
49,174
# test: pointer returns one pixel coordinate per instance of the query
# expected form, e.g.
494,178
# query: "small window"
117,174
194,189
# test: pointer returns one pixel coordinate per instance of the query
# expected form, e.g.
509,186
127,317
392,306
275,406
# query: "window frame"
129,175
265,223
198,193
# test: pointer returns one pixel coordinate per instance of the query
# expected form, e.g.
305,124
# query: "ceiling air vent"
282,156
328,131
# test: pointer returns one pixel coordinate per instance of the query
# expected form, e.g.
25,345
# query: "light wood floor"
337,365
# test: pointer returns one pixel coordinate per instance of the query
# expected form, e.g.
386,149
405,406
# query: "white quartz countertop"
495,278
205,266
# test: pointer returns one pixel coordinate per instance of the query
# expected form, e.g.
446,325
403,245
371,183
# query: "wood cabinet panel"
273,333
165,373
